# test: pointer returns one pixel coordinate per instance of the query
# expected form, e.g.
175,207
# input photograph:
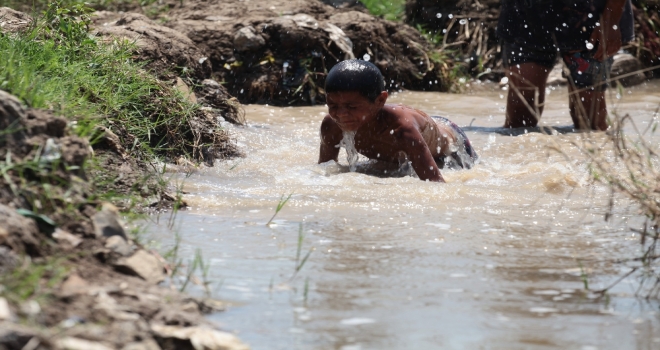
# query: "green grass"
56,67
392,10
33,281
36,6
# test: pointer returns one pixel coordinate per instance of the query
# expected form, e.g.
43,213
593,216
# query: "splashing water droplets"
348,142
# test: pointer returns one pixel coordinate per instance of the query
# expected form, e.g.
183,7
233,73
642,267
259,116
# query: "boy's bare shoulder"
402,115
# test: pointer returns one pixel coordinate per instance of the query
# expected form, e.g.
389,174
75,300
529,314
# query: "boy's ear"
382,98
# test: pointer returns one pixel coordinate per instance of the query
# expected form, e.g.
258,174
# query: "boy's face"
350,110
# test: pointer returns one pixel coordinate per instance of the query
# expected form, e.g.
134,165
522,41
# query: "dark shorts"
465,156
585,70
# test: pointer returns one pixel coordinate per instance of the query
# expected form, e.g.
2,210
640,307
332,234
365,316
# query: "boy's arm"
610,18
331,135
418,152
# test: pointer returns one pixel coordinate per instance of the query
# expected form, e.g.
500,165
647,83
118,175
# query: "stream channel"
496,258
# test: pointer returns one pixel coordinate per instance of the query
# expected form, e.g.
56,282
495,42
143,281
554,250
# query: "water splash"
348,142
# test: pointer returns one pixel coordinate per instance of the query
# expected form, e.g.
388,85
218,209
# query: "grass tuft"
392,10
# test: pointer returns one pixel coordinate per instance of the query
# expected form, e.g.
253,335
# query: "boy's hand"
608,34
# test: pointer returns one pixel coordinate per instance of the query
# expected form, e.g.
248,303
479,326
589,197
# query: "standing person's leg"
586,90
526,83
588,108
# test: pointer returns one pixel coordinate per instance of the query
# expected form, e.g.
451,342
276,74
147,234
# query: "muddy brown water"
490,260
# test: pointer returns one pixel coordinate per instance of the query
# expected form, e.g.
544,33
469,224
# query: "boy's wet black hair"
356,75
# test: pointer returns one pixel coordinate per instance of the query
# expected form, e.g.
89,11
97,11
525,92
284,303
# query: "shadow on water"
565,129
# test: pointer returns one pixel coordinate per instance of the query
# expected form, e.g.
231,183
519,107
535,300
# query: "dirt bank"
278,52
72,278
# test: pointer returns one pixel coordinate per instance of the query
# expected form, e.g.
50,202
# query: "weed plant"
279,207
37,6
392,10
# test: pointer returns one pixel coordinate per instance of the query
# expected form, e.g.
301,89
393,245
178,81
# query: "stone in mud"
344,3
8,259
66,238
106,139
143,265
185,90
118,245
5,312
12,21
71,343
19,233
212,94
164,50
106,222
148,344
74,285
197,338
246,39
13,336
627,67
11,113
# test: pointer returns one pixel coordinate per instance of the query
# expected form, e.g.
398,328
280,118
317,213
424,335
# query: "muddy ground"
71,276
277,52
74,279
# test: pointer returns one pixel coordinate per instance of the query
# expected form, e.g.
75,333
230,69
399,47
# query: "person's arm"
411,142
608,30
331,135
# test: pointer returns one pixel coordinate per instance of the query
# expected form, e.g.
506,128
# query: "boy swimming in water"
356,96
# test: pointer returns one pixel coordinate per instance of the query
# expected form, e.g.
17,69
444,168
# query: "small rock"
12,21
8,259
65,237
106,222
190,306
19,233
148,344
5,311
247,39
13,336
143,265
110,140
201,337
74,285
109,305
30,308
625,64
185,90
118,245
71,343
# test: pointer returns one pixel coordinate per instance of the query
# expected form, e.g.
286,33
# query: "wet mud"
72,277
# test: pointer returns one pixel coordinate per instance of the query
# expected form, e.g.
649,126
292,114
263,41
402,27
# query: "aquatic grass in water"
279,207
300,263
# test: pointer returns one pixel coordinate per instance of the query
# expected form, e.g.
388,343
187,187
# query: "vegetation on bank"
35,7
392,10
57,225
451,68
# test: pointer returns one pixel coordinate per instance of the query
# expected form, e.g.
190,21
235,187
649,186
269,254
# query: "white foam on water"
357,321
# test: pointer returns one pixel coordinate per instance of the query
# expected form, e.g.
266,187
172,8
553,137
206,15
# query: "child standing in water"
356,96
